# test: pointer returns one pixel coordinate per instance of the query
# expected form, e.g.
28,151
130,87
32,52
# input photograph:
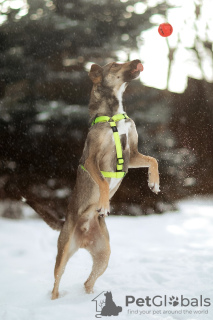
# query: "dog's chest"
123,128
113,183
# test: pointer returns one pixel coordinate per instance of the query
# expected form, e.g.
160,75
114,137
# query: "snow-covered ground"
157,255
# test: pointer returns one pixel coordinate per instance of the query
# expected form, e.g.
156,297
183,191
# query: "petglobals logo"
105,306
165,301
158,304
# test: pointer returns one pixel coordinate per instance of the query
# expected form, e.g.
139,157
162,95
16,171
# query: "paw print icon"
173,301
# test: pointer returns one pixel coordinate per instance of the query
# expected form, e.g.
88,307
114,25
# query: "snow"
169,254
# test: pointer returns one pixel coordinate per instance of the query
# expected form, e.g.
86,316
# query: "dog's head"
115,74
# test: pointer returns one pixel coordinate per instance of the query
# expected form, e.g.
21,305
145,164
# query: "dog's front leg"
138,160
92,167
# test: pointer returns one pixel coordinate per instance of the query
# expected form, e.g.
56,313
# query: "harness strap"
118,146
115,118
107,174
120,161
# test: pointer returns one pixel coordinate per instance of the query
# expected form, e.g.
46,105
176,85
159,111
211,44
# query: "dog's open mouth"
139,68
135,67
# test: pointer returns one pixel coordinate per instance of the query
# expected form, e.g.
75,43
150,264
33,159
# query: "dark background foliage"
44,92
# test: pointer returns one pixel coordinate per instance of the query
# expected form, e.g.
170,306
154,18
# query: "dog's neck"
106,101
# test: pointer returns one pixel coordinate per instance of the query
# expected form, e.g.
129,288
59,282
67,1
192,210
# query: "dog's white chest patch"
123,128
113,183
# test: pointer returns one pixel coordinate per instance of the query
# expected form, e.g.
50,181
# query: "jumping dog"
100,172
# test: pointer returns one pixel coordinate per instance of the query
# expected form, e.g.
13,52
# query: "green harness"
120,161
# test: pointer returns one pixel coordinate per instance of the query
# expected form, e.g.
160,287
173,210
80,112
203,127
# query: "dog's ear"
95,73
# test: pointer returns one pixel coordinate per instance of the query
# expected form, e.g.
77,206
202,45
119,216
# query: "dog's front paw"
103,206
103,212
154,187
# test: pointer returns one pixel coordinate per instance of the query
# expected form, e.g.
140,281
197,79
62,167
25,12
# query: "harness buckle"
114,129
120,160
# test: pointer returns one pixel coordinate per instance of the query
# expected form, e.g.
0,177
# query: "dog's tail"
47,213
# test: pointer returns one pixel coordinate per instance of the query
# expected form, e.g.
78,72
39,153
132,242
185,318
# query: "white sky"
154,50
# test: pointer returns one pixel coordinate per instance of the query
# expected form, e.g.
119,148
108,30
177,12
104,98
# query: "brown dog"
85,226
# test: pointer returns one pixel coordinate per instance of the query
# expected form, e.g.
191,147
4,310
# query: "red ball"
165,29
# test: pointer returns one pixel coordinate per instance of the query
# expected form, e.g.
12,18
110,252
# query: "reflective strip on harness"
117,146
120,161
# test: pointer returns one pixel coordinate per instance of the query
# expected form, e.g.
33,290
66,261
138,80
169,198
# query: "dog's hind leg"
93,169
99,249
67,246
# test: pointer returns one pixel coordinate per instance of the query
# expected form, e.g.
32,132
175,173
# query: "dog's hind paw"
55,295
88,287
154,187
